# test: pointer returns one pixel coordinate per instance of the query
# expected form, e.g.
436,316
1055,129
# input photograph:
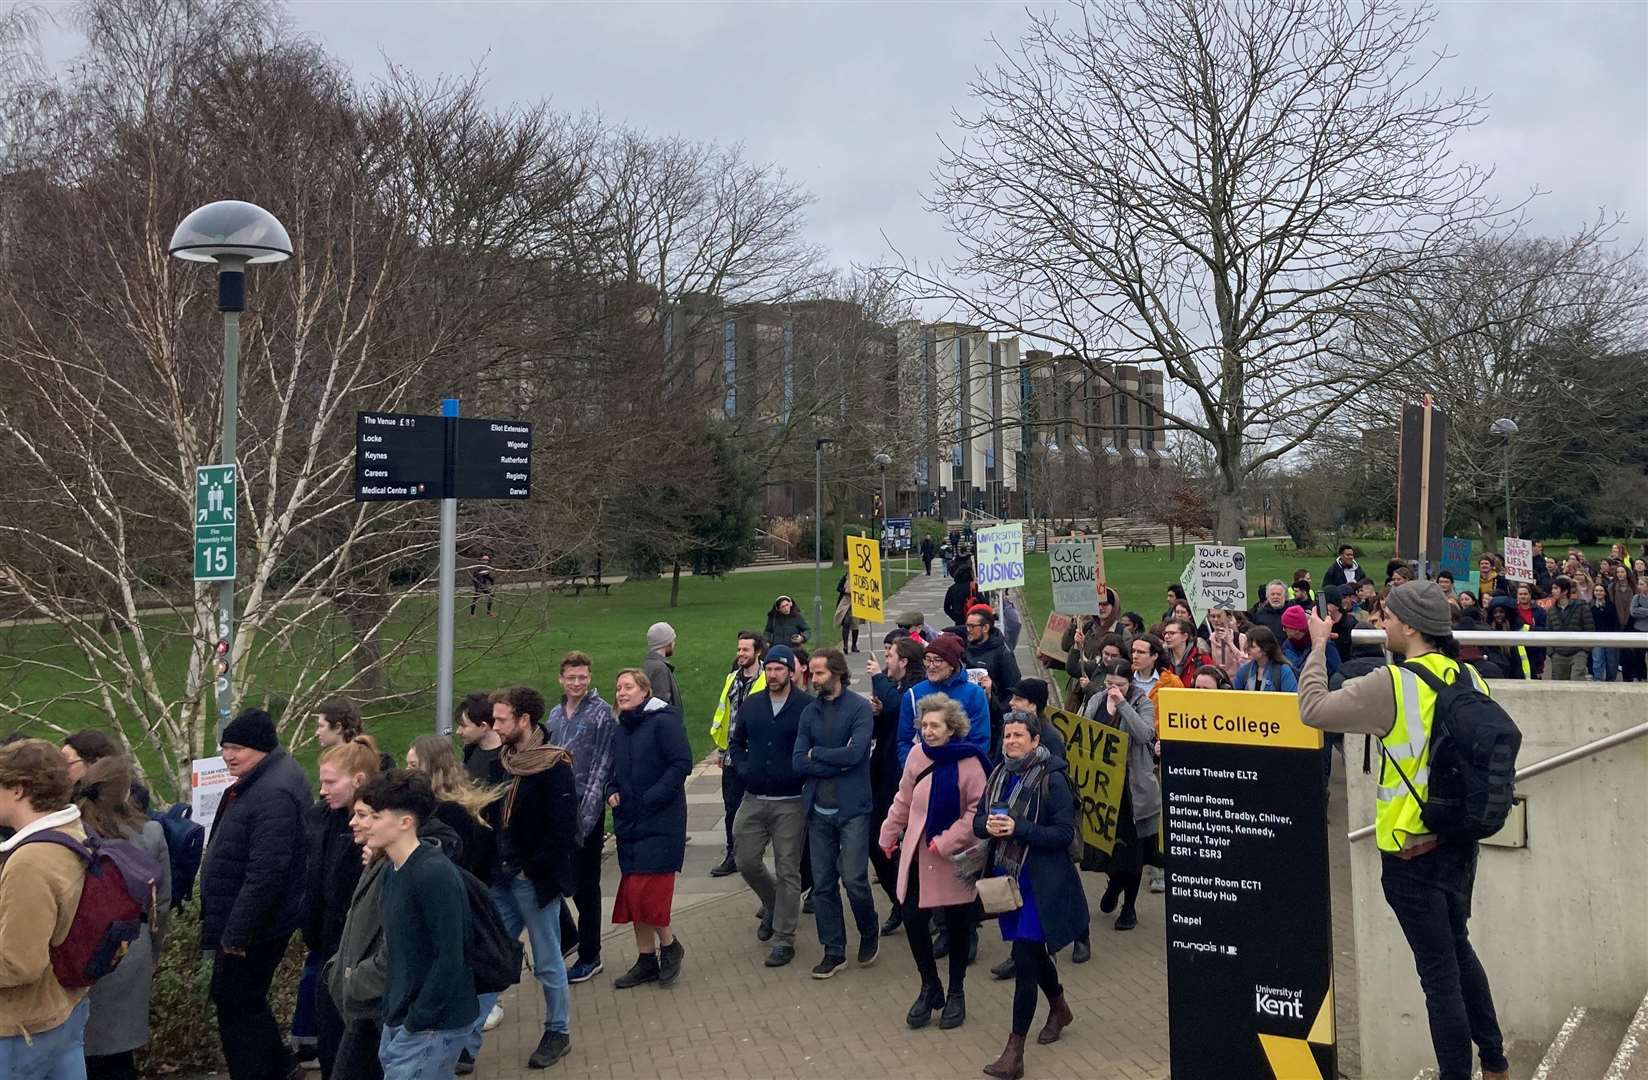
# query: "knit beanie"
948,648
1421,605
1034,691
780,654
254,729
1294,618
660,634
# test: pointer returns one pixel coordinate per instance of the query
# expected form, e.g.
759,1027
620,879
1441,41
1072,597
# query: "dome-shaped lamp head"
231,231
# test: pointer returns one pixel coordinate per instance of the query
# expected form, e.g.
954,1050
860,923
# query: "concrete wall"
1561,922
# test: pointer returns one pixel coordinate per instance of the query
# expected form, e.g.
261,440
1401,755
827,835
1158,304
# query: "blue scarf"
944,794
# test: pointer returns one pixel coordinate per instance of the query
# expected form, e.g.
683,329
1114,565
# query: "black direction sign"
399,456
494,460
1249,925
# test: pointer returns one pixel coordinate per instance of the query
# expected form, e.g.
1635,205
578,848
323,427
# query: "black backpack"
184,840
492,955
1473,743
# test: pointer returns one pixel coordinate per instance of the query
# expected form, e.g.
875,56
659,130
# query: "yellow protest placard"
864,578
1097,754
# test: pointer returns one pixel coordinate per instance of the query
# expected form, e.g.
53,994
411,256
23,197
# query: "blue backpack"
184,843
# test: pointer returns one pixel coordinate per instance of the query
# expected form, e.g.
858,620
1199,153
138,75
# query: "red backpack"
115,902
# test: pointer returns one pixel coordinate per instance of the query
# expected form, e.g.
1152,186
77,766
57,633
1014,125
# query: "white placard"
1519,559
208,779
1000,557
1075,571
1215,577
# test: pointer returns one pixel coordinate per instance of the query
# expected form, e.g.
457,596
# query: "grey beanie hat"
660,634
1422,606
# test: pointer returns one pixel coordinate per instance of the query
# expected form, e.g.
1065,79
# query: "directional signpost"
402,456
215,523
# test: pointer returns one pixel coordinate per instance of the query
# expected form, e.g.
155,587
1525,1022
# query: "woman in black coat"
648,795
961,595
1029,816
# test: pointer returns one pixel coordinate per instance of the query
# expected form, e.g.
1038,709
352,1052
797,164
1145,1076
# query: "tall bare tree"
1216,188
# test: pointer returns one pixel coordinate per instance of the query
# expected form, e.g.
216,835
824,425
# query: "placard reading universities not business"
1249,924
1000,557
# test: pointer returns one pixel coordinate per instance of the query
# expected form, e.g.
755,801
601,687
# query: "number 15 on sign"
864,578
214,522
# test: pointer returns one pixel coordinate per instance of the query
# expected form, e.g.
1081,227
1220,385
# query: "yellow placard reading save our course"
1233,717
864,578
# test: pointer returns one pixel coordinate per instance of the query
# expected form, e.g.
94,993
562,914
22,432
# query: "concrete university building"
1005,429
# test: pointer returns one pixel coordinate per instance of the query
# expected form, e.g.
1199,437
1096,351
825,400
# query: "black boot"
669,962
645,970
1004,970
894,921
725,867
955,1011
551,1048
930,998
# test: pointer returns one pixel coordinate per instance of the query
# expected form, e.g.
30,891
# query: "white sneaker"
493,1018
1158,881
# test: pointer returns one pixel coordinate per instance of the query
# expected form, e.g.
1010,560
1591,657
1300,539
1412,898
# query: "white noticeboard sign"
1519,559
1000,557
1074,568
1215,577
208,779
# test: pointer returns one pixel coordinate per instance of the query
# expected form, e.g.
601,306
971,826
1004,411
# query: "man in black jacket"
536,824
251,893
901,672
760,748
1343,573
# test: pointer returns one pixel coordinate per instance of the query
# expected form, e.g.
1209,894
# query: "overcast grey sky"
852,98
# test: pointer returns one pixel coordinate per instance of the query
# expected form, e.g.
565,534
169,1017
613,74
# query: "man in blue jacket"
832,749
761,749
251,892
943,662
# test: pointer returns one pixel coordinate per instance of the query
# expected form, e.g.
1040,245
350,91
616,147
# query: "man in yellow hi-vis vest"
1427,881
744,679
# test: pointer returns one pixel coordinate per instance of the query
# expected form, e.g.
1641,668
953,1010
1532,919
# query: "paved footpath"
731,1018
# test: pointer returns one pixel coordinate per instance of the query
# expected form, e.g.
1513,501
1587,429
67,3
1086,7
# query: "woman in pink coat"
943,781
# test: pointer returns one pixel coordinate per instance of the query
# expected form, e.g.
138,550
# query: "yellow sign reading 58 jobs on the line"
1236,717
864,578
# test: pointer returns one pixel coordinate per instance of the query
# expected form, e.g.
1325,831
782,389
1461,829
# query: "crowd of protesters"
927,786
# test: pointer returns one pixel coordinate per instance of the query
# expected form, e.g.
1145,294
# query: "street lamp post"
1505,427
882,461
818,533
233,235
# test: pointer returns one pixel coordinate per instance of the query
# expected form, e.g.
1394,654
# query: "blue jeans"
57,1053
841,849
517,906
305,1027
477,1034
1604,663
419,1055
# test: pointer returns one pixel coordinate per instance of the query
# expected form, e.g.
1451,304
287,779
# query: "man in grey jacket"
657,668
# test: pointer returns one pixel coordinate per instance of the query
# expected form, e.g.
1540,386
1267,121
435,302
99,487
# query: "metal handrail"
1538,638
789,551
1555,761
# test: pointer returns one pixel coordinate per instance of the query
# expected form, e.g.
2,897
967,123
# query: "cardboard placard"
1073,565
864,578
1097,754
1519,559
1052,636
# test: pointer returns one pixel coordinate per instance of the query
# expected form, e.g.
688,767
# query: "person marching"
1029,815
746,677
1427,879
1125,705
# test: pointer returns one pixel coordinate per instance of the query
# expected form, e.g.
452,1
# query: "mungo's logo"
1270,1001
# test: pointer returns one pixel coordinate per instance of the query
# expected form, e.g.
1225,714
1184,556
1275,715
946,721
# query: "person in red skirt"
648,796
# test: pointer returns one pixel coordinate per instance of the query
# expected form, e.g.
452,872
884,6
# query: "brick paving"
731,1018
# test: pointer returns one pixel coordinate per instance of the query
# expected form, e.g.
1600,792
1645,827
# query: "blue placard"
1456,556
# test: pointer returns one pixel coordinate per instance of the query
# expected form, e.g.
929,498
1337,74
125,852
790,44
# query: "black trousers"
586,872
329,1028
958,922
1431,898
358,1052
121,1066
252,1046
884,865
732,797
1033,970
